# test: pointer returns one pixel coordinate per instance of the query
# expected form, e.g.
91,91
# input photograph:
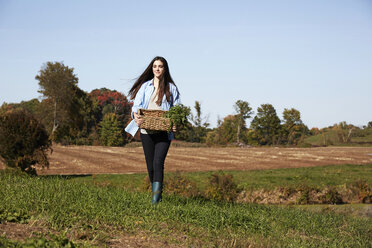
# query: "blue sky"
315,56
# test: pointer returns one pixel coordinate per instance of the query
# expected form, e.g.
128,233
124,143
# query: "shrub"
24,141
180,185
304,197
332,196
304,194
222,187
362,190
175,184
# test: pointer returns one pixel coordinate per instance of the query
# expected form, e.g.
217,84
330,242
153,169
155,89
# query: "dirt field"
117,160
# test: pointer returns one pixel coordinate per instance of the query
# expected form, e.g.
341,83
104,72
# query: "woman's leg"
162,144
161,149
149,149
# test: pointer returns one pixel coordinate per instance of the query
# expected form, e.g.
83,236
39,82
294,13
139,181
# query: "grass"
354,210
175,143
320,176
39,241
79,206
360,137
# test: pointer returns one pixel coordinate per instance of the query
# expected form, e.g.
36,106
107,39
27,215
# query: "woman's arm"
138,101
175,95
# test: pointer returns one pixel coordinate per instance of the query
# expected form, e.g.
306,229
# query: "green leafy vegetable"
178,115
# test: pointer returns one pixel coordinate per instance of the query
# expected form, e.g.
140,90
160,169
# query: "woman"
154,89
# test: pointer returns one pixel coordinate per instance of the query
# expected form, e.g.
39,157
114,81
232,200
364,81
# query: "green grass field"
320,176
361,137
75,211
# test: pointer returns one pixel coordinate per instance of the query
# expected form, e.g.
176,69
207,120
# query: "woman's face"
158,68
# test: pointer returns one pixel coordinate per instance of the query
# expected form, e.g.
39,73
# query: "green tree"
224,133
198,130
293,128
369,124
82,120
291,117
111,133
66,109
58,84
244,112
344,131
4,108
213,137
32,106
266,126
24,141
197,119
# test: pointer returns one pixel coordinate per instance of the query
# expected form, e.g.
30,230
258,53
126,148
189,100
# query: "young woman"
154,89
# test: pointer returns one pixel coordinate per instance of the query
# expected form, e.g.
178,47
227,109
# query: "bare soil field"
67,160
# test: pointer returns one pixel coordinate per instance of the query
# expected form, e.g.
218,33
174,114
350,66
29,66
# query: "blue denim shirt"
142,100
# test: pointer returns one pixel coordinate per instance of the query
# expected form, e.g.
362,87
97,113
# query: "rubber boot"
157,188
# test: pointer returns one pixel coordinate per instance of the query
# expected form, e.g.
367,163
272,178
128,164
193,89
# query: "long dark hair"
148,75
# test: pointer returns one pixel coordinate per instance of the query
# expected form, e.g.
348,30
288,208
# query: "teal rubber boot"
157,188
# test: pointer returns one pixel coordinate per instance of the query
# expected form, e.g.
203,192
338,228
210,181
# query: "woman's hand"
138,119
174,129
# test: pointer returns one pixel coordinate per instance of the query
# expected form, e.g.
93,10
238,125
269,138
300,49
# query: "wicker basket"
154,120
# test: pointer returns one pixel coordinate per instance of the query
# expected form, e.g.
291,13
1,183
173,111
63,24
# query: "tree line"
73,116
265,129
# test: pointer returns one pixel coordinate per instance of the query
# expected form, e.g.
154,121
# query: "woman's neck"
156,82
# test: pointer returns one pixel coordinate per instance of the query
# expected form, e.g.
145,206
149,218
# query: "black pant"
155,147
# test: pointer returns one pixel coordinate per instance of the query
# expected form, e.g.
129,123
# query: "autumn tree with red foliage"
111,101
104,97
